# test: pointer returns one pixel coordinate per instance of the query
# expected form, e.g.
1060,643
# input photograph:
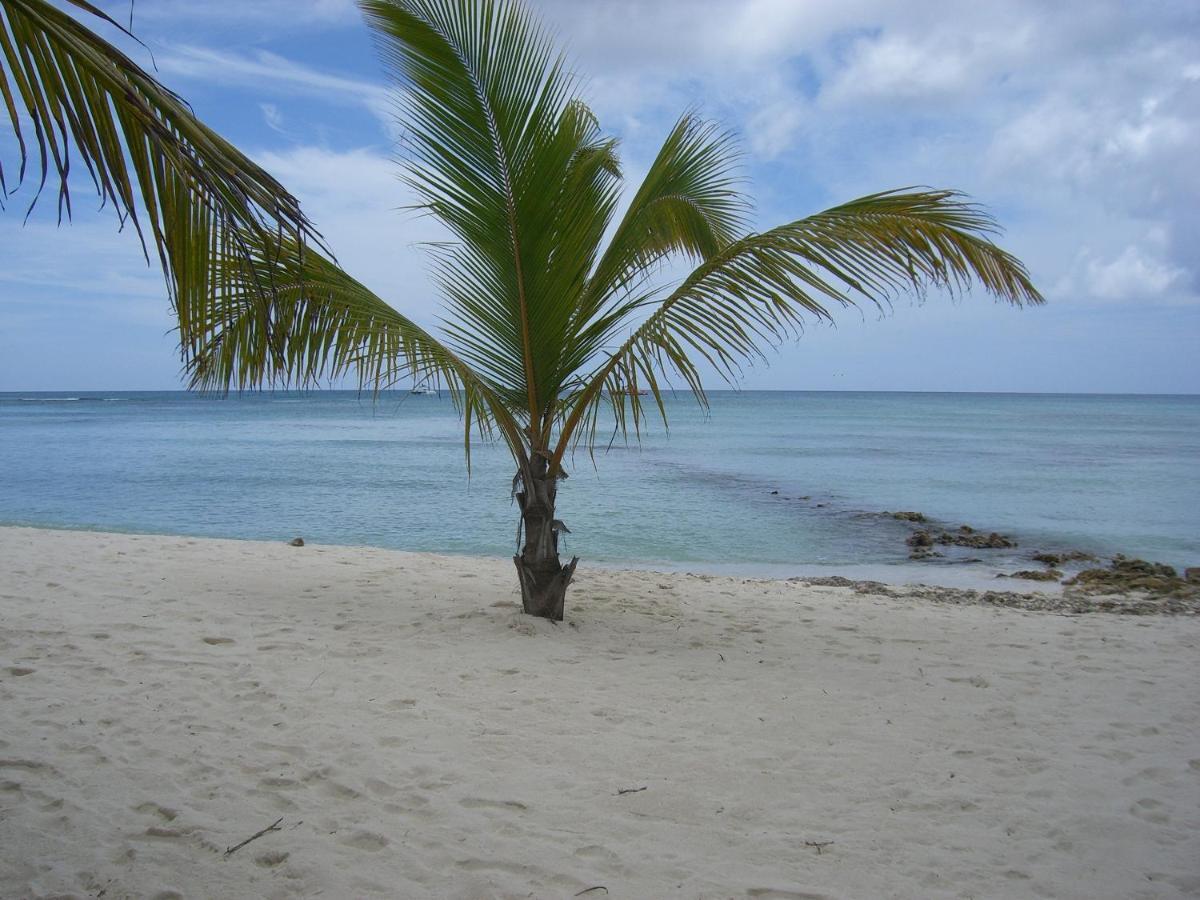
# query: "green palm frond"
690,202
759,289
505,156
314,321
71,96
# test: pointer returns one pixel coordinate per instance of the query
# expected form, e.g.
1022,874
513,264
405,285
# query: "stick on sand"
274,826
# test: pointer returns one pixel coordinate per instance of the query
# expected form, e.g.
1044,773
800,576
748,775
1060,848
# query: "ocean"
765,483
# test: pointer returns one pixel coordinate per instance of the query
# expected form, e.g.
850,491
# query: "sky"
1076,123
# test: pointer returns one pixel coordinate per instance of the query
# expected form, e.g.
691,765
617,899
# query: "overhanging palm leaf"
504,154
70,94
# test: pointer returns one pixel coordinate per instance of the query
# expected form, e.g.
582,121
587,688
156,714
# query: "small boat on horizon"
627,390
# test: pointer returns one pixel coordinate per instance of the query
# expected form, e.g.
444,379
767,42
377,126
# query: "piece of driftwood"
274,826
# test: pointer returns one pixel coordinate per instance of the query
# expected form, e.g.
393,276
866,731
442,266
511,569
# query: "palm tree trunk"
543,577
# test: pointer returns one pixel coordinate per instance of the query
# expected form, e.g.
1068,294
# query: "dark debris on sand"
1035,574
1126,589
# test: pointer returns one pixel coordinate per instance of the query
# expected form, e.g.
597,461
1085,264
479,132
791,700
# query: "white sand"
162,699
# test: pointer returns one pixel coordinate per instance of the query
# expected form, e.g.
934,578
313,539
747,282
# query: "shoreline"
414,734
949,574
958,584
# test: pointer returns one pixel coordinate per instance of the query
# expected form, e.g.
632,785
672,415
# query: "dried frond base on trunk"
544,586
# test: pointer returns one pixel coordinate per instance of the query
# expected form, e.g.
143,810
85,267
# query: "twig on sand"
630,790
818,845
598,887
274,826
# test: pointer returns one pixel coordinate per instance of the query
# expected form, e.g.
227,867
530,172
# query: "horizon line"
673,392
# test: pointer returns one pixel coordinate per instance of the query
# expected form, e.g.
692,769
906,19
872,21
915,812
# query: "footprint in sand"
341,791
365,840
975,681
488,865
30,764
598,854
381,788
506,805
156,831
1150,811
163,812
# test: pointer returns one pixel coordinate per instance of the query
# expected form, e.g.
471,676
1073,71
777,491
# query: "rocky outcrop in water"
965,536
1054,560
920,539
922,553
921,544
1135,576
908,516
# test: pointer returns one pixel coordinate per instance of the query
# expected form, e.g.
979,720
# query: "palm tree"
558,301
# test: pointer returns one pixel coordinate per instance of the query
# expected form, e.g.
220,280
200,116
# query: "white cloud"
1131,276
264,70
272,116
357,200
1078,122
928,67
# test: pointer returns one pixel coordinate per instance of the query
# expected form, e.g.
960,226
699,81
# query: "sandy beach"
409,733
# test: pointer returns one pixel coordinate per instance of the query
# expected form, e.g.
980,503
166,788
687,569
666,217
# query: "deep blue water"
1100,473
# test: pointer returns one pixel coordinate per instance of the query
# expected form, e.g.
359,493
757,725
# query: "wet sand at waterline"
409,733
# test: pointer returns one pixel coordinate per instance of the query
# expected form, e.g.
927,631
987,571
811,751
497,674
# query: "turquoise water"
1100,473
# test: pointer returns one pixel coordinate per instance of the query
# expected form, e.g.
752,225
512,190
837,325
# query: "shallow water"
1100,473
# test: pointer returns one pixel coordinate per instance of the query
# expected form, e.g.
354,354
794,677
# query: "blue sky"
1077,123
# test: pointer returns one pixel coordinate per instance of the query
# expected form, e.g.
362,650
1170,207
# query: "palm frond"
147,155
758,290
689,202
313,321
501,152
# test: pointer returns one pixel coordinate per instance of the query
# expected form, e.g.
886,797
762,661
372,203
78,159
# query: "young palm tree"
558,302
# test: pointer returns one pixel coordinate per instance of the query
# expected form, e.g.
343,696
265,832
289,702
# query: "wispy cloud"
264,70
358,201
279,14
273,117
